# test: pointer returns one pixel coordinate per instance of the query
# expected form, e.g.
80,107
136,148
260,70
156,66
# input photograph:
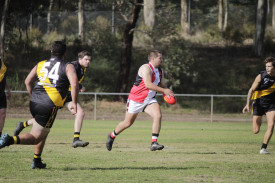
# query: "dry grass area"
116,110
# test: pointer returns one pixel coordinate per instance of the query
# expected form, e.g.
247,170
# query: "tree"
3,22
127,44
81,20
220,15
273,15
260,27
149,13
185,23
225,14
49,23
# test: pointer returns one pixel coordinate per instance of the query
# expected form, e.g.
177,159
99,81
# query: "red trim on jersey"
140,92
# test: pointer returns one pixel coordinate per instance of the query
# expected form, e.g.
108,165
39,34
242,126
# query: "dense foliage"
208,61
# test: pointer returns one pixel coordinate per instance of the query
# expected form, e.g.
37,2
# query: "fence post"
212,103
95,106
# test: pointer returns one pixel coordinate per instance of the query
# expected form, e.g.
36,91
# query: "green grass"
194,152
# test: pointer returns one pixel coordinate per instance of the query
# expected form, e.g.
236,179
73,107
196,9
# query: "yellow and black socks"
76,136
154,137
25,124
37,157
16,139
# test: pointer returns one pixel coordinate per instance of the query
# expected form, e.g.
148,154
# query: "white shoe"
264,151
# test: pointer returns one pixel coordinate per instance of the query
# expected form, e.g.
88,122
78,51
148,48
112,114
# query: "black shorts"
43,114
3,101
259,109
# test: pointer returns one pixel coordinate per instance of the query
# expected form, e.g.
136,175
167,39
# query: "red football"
171,101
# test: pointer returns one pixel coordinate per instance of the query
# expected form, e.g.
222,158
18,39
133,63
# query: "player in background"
262,93
81,65
3,98
49,94
149,81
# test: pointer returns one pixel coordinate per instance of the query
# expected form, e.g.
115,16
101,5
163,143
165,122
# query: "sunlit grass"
194,152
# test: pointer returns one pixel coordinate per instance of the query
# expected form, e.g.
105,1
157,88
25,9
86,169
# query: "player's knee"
81,112
158,116
256,131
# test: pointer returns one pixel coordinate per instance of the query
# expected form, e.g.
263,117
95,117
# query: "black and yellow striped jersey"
3,70
80,72
266,89
53,84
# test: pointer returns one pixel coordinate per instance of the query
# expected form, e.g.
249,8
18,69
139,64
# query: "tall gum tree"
127,44
260,27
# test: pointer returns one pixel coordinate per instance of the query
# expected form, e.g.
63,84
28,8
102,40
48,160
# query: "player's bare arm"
8,90
30,79
70,72
146,74
251,91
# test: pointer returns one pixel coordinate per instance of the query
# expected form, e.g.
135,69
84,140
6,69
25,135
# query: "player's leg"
36,134
126,123
21,125
79,116
3,106
155,112
257,121
270,116
38,149
2,119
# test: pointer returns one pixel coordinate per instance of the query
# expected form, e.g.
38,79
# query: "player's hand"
246,108
82,89
73,108
168,93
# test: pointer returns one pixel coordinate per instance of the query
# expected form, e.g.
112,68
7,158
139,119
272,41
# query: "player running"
81,65
262,93
149,81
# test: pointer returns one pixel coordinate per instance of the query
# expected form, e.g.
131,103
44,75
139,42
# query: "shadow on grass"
131,168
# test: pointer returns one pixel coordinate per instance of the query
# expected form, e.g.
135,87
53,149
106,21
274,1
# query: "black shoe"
155,146
19,128
79,143
109,143
38,164
5,140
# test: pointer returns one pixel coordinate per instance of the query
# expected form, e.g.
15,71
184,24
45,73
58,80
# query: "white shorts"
136,107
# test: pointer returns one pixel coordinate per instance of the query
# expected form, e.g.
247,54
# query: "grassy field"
194,152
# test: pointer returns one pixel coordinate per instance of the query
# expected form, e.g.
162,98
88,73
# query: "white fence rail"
210,96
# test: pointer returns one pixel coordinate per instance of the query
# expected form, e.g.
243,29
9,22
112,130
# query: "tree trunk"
273,15
260,27
225,14
127,44
220,15
149,13
3,22
81,20
49,23
185,23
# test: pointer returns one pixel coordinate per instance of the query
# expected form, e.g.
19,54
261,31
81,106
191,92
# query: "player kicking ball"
149,81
